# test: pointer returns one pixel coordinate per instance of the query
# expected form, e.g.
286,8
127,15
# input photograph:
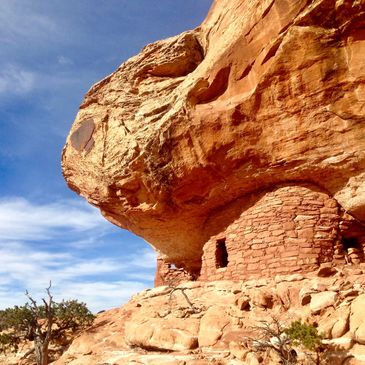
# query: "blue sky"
51,52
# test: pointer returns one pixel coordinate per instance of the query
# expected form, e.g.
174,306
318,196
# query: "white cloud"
87,242
141,276
10,298
31,237
19,21
21,220
62,60
71,276
101,295
145,259
15,80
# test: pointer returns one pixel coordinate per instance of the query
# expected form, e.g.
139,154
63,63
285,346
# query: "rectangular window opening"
221,254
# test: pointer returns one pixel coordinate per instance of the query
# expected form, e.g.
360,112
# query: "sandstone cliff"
263,92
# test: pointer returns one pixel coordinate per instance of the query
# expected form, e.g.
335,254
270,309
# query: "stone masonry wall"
168,274
290,229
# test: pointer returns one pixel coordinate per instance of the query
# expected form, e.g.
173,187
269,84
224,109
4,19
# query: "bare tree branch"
34,322
271,336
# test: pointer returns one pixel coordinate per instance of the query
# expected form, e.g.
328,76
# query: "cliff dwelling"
289,228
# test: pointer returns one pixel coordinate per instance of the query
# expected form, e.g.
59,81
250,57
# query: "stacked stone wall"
289,229
168,274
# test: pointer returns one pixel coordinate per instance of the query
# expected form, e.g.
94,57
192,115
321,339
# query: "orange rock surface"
201,323
264,92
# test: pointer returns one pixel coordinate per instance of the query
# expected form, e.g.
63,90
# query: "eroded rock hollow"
182,139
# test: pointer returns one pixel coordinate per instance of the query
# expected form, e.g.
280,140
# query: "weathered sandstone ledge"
203,323
161,327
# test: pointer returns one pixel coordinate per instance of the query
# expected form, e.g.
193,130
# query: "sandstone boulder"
326,270
322,300
212,325
305,295
344,343
336,324
357,319
263,299
238,350
289,278
163,334
252,359
243,302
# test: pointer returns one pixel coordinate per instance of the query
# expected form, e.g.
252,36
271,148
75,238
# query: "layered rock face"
264,92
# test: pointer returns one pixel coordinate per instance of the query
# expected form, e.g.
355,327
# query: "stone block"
306,233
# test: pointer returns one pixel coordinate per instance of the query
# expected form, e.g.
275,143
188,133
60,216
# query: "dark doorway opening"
350,242
353,250
221,254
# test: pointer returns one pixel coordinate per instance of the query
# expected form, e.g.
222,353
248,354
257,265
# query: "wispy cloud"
141,276
15,80
101,295
62,60
23,220
19,21
146,260
101,283
28,259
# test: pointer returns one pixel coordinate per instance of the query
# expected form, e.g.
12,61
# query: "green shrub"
304,334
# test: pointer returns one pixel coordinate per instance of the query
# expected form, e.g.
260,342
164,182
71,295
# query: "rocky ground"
201,323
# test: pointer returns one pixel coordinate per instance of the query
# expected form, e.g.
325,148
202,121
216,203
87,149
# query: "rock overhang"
259,94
